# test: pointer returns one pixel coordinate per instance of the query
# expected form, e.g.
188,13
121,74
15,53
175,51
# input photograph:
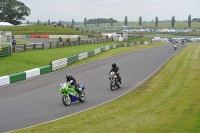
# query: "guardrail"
61,63
49,45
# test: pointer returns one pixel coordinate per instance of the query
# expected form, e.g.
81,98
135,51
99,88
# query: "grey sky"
66,10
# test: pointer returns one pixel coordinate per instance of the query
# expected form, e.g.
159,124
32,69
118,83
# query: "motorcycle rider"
182,42
175,44
72,81
59,39
116,70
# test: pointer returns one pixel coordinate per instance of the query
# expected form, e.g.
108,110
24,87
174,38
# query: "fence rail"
49,45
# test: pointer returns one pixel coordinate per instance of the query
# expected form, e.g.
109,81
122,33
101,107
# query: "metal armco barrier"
58,64
9,79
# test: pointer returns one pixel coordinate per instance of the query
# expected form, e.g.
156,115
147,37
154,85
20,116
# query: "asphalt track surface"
38,100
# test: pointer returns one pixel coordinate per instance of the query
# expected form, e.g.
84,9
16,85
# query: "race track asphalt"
38,100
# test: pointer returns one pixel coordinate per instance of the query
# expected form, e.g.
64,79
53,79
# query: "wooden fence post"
24,47
13,49
50,45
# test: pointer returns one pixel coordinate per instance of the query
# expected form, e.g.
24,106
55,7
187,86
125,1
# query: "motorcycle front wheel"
112,86
83,97
66,100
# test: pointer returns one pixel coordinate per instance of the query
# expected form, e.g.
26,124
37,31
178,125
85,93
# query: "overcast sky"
66,10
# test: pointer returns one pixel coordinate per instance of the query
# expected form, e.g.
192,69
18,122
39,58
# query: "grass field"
44,30
143,39
178,25
51,30
168,102
22,61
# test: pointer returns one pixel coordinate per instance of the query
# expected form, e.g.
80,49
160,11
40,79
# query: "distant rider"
175,43
68,39
59,39
116,70
69,78
182,42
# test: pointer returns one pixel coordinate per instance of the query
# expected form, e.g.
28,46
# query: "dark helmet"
114,65
68,76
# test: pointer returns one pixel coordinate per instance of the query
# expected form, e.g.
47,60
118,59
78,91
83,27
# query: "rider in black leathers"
116,70
69,78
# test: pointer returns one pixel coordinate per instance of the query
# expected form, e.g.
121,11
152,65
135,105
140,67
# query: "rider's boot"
120,80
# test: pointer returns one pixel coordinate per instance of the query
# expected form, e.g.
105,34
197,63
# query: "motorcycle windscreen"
81,86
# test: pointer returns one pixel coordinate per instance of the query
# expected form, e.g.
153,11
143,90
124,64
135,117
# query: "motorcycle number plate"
115,76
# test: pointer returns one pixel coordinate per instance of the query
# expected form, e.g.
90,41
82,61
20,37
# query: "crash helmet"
114,65
68,76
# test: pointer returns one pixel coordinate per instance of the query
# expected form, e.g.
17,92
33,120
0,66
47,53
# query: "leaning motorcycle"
69,94
114,81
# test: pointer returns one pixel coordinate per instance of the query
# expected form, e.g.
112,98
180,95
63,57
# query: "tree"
49,22
126,21
85,21
101,20
13,11
73,22
156,22
173,21
38,22
98,22
189,20
140,21
111,22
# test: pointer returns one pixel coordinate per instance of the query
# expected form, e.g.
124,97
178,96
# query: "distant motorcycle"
69,94
175,47
114,81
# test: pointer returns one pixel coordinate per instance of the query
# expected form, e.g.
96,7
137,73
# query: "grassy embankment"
178,25
44,30
168,102
142,39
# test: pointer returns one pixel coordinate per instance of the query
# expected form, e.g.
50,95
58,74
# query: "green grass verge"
20,42
22,61
168,102
142,39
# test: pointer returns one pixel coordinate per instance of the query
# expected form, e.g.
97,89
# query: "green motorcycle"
69,94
